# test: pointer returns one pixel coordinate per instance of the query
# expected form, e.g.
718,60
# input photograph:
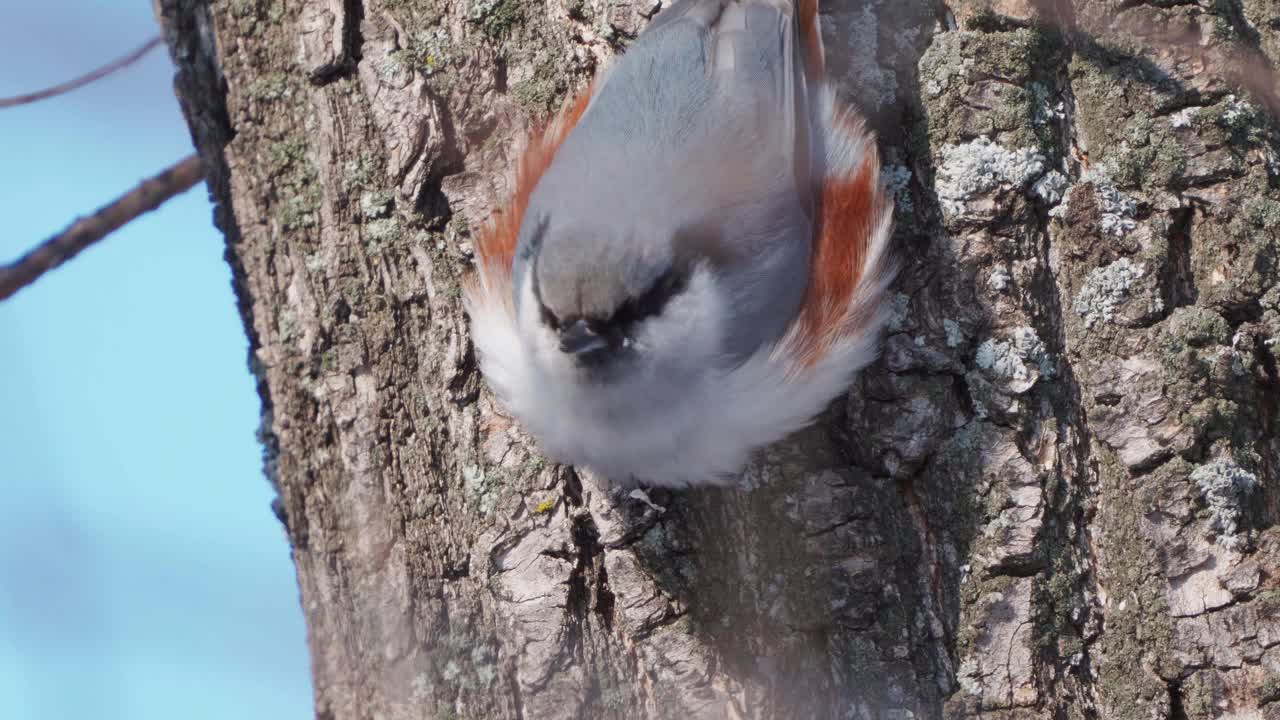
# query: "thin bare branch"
147,196
83,80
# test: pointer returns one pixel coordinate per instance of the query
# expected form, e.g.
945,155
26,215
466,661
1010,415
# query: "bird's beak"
579,339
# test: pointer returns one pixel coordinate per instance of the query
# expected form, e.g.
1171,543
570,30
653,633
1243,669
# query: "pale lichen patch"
1225,487
1051,188
899,307
999,279
955,337
980,166
1019,361
1105,289
1184,117
1117,212
375,204
896,179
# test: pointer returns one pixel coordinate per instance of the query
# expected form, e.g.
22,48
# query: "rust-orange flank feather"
496,243
849,210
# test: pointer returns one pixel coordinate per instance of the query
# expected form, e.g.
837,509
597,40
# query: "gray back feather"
696,145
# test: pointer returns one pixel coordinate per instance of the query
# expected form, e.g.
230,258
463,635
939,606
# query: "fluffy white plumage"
707,429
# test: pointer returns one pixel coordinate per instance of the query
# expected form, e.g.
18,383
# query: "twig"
82,233
83,80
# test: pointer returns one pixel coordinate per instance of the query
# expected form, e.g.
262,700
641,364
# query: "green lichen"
270,87
1222,419
1194,327
287,324
534,465
376,204
431,53
1159,161
428,45
1188,348
985,19
298,211
483,486
1019,107
545,89
286,156
461,222
497,18
382,233
249,15
297,190
360,172
1243,120
329,360
1139,630
1262,211
1054,598
1197,697
275,11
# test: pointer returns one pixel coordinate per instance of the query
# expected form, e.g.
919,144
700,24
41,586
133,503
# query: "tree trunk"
1053,496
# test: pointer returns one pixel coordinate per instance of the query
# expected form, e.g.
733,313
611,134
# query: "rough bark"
1054,496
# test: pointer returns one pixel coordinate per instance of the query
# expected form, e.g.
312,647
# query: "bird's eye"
548,318
654,300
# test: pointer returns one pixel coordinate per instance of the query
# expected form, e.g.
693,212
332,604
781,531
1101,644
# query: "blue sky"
142,573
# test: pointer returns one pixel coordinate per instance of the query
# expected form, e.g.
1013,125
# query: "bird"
695,257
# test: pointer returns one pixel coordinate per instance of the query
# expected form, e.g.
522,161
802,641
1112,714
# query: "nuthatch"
695,258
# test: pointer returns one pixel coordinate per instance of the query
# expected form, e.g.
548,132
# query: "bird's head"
612,306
